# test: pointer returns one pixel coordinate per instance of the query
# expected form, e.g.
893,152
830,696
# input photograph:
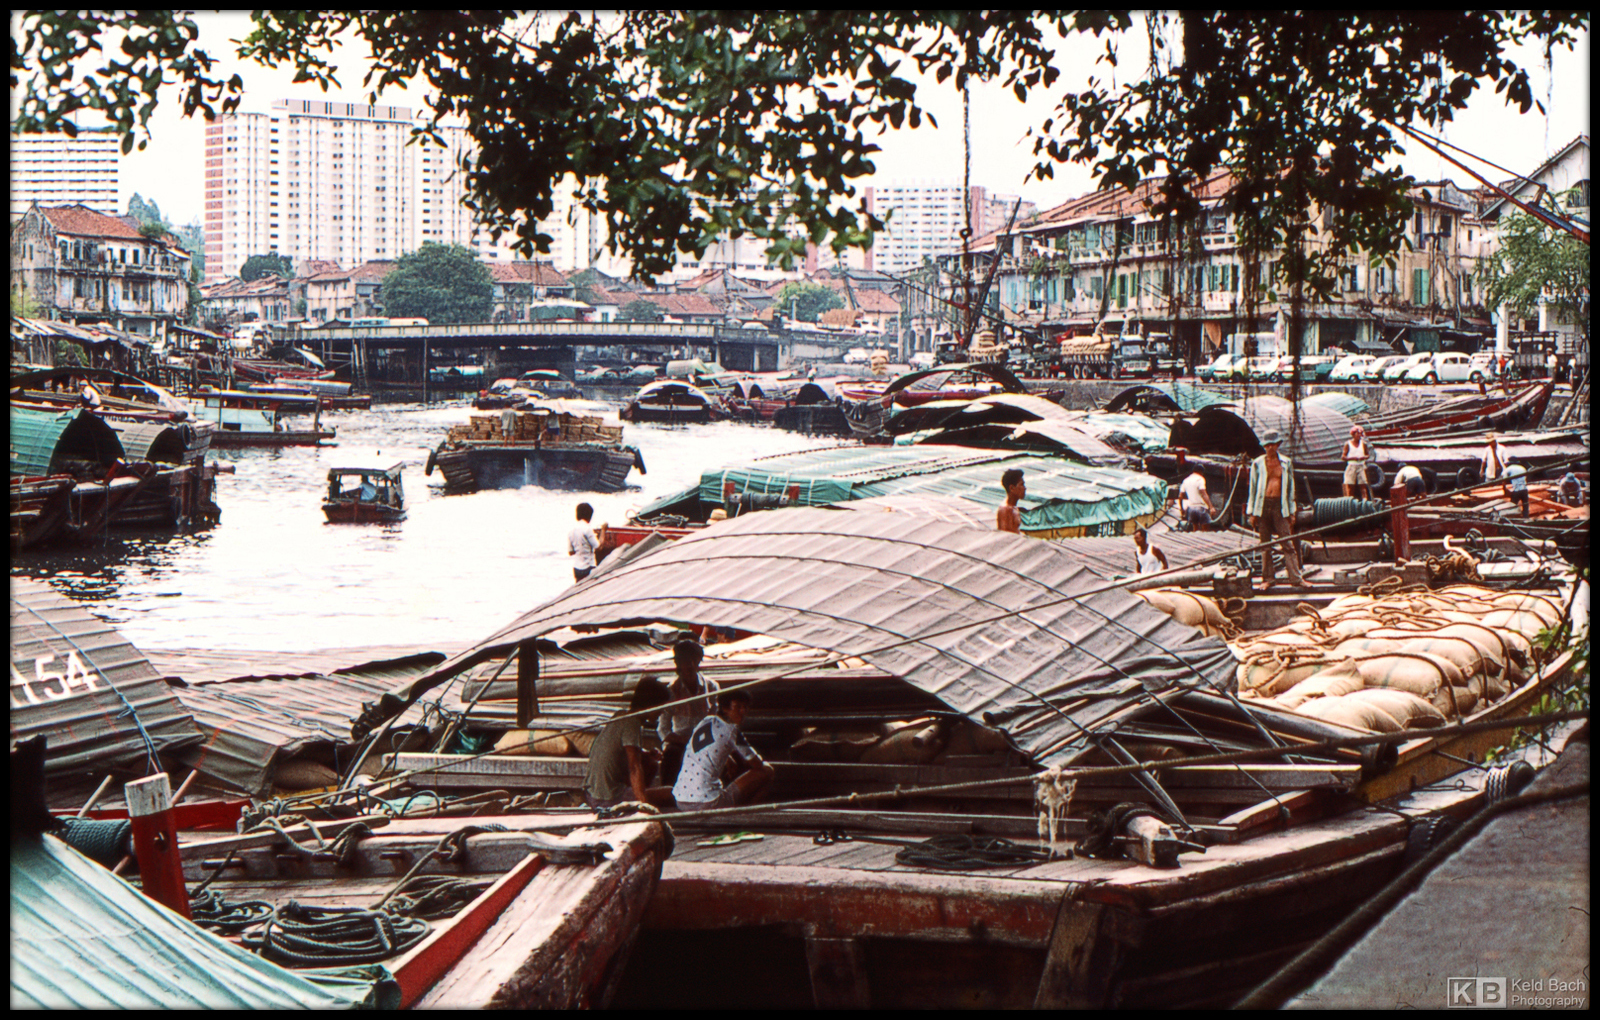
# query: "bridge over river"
399,353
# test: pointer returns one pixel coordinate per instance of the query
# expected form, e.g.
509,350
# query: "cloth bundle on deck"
1387,662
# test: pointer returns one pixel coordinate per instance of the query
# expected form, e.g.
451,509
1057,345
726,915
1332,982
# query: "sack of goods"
1385,663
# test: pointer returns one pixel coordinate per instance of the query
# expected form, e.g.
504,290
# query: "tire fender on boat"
1375,478
638,460
1466,477
433,459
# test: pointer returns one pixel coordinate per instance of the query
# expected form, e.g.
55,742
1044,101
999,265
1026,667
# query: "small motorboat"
363,493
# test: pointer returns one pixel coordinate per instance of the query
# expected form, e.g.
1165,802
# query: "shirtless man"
1009,516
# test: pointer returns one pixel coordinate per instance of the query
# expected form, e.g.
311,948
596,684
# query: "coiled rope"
301,936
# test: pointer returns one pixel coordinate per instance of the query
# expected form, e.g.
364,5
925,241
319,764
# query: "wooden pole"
155,841
1400,523
123,864
94,796
527,683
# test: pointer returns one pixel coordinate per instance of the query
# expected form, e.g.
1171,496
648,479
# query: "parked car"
1257,369
1374,371
1350,368
1483,367
1444,366
1313,367
1216,370
1398,370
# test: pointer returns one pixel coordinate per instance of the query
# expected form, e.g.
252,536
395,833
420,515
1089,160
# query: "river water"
273,576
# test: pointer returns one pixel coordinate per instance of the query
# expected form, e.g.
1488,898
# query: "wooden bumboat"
542,935
578,467
671,403
365,493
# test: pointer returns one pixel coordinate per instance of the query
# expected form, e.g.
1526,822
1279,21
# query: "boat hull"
512,466
231,439
349,511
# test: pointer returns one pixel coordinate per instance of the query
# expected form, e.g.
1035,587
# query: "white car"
1217,370
1441,367
1350,368
1374,370
923,359
1483,367
1398,370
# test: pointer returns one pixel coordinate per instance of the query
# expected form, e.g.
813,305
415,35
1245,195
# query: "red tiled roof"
838,317
875,301
540,274
81,221
683,304
375,269
315,267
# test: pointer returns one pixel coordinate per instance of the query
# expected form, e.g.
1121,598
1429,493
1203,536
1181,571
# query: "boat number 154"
51,683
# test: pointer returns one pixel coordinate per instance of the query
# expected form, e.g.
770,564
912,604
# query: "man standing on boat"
1194,502
1009,516
677,721
1493,464
1271,508
1150,559
581,544
1357,452
715,739
619,762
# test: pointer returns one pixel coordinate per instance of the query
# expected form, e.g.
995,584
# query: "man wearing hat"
1493,464
1357,452
1271,508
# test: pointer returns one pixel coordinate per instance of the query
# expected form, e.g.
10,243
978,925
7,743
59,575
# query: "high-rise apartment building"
56,170
338,182
928,217
310,180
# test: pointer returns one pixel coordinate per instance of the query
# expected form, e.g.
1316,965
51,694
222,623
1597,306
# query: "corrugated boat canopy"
252,725
1237,428
1344,403
41,439
76,679
1001,628
1135,432
1064,498
154,441
1173,396
1005,420
82,938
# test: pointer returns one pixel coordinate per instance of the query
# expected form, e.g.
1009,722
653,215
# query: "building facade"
1104,262
55,170
926,219
346,183
82,266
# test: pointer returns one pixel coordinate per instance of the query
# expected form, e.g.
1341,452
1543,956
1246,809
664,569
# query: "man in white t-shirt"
714,740
581,543
1194,502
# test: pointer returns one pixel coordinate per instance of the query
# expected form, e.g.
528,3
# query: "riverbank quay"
1503,921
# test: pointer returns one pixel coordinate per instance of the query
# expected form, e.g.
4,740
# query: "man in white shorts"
713,741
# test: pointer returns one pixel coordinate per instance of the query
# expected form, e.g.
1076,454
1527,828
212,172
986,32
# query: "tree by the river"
806,301
689,126
1536,262
443,283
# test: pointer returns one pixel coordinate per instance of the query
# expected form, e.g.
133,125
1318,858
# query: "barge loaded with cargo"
547,445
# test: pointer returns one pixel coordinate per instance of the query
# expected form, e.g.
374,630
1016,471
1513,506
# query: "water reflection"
274,575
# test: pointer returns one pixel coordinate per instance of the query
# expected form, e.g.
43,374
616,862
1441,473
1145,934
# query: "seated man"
619,764
714,740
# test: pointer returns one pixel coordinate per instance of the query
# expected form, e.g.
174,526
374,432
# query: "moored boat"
244,418
669,402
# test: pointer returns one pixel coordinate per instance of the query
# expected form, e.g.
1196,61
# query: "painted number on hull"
50,684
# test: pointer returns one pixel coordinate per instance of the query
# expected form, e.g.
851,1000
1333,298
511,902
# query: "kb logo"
1477,993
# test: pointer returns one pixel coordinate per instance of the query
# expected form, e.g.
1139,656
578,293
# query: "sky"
171,169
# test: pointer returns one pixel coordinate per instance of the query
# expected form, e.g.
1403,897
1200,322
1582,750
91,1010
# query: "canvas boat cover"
37,437
82,938
1344,403
1062,495
1004,629
252,725
76,679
